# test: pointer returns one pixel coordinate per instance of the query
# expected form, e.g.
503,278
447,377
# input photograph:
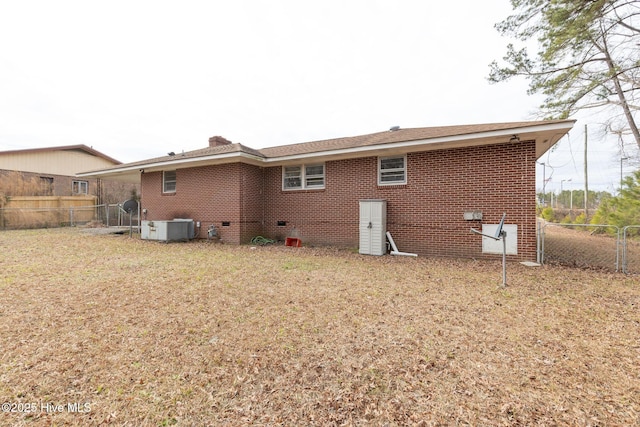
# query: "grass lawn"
108,330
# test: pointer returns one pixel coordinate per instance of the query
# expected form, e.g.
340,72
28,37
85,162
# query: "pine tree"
589,57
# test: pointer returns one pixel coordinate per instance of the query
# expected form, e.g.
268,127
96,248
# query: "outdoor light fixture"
514,139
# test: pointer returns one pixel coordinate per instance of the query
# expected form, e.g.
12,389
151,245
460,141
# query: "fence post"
618,250
543,238
538,240
624,249
106,206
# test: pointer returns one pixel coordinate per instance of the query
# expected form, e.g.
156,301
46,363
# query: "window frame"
165,182
77,187
304,177
403,169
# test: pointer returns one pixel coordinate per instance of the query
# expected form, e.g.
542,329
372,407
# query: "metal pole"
624,249
504,258
571,203
561,190
538,242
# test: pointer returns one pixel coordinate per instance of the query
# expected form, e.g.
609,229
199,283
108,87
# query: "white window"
169,181
314,176
292,177
392,170
301,177
80,187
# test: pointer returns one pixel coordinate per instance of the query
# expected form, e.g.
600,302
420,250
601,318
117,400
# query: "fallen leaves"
204,334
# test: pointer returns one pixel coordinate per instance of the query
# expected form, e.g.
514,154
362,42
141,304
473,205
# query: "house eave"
544,135
131,173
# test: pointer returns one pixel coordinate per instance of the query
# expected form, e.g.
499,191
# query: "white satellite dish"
500,234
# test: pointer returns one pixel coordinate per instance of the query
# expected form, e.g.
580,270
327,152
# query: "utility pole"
564,199
586,177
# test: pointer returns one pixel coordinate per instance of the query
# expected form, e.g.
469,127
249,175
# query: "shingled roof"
200,153
545,133
389,137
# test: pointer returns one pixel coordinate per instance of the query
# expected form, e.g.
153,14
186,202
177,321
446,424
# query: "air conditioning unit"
168,230
191,224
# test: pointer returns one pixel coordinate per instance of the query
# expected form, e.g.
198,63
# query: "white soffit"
545,135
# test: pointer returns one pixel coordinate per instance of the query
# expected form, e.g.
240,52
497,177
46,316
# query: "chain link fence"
581,245
595,246
109,215
631,249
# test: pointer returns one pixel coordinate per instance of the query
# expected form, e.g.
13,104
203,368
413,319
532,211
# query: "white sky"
136,79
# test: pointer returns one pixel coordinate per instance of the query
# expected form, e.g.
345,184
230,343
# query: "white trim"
300,176
81,185
303,177
404,170
482,138
177,164
426,142
164,182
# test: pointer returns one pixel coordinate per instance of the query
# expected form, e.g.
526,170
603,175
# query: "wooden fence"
47,211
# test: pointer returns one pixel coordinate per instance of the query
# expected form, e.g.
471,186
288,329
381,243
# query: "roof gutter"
177,164
440,142
428,142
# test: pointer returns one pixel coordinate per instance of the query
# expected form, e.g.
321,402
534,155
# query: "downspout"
395,248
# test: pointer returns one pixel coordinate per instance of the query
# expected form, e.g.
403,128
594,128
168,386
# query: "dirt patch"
145,333
102,230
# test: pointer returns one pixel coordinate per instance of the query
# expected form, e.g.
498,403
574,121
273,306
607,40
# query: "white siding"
63,162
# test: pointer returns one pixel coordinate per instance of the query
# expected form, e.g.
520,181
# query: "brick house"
51,171
433,179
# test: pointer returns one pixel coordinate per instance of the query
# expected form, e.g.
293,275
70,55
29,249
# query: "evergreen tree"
589,57
623,209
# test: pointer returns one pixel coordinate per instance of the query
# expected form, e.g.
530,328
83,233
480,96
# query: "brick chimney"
215,141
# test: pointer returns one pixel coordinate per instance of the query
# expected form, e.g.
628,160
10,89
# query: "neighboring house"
54,170
437,182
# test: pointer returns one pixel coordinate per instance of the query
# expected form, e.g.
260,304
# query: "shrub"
548,214
580,219
566,220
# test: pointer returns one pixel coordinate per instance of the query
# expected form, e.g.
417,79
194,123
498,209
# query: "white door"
373,227
365,228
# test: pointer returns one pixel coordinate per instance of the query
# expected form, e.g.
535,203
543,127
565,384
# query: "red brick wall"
425,216
252,202
213,195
